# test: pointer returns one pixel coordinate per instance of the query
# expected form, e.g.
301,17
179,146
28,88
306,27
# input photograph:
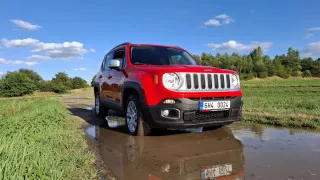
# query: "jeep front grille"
206,82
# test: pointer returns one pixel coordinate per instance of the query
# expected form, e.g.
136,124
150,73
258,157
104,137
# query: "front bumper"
190,116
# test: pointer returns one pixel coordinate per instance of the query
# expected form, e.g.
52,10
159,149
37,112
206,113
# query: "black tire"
99,110
142,128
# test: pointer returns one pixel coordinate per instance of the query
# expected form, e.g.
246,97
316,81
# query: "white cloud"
1,73
314,29
66,50
312,50
234,46
25,25
219,20
28,63
225,18
212,22
39,57
222,16
80,69
92,50
28,42
308,36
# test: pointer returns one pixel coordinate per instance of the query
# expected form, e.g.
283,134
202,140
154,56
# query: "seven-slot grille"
207,81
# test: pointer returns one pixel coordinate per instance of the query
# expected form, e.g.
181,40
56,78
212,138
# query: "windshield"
155,55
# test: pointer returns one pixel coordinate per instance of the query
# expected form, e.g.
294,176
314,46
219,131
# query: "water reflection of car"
212,154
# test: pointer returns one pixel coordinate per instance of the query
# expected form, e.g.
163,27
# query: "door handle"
109,76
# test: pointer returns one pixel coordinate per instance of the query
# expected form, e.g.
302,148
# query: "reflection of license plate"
216,171
214,105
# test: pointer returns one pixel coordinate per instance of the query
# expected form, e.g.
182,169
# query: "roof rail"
125,43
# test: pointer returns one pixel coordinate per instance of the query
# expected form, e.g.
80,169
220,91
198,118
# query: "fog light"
165,113
170,113
169,101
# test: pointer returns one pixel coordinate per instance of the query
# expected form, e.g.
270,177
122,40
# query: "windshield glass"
155,55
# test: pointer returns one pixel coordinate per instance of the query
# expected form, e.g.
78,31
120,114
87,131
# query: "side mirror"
114,64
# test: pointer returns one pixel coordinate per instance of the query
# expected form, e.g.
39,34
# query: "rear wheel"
134,118
100,110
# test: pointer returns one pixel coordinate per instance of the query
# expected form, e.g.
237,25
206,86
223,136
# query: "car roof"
131,44
158,45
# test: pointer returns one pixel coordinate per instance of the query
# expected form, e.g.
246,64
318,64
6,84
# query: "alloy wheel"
97,104
132,116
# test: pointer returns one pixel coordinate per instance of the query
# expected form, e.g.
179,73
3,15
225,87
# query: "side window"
106,60
120,54
103,62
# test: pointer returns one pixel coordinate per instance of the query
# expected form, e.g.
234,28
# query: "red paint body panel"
154,93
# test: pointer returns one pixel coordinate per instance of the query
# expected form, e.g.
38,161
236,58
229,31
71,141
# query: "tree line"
26,81
258,65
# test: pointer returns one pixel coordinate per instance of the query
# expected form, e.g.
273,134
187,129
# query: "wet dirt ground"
238,151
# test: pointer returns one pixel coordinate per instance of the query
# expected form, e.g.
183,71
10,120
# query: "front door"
117,77
105,77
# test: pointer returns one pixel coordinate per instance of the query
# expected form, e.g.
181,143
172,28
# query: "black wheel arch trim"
96,85
136,86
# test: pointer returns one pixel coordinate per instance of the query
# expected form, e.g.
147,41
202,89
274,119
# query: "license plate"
216,171
214,105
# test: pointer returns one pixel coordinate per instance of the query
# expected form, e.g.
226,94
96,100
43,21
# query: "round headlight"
171,81
234,81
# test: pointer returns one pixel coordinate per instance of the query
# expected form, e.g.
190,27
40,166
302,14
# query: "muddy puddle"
234,152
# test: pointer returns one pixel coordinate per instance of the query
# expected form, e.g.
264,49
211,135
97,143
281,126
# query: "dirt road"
234,152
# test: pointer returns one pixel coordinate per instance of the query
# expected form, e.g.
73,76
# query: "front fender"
135,86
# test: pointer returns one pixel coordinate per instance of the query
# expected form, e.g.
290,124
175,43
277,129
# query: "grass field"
279,82
86,91
283,102
39,139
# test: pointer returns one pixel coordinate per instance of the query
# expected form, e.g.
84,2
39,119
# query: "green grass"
279,82
292,102
39,139
85,91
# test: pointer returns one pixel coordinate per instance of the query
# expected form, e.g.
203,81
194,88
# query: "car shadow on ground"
85,114
88,115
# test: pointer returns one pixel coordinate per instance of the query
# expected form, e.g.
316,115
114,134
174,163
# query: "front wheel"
134,118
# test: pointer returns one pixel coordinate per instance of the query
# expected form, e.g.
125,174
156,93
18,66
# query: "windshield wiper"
138,63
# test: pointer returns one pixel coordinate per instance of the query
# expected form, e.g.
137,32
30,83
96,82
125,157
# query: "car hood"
183,68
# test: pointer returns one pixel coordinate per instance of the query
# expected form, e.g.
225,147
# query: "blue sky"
73,36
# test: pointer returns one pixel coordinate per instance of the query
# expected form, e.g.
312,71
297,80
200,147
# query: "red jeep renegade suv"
155,86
